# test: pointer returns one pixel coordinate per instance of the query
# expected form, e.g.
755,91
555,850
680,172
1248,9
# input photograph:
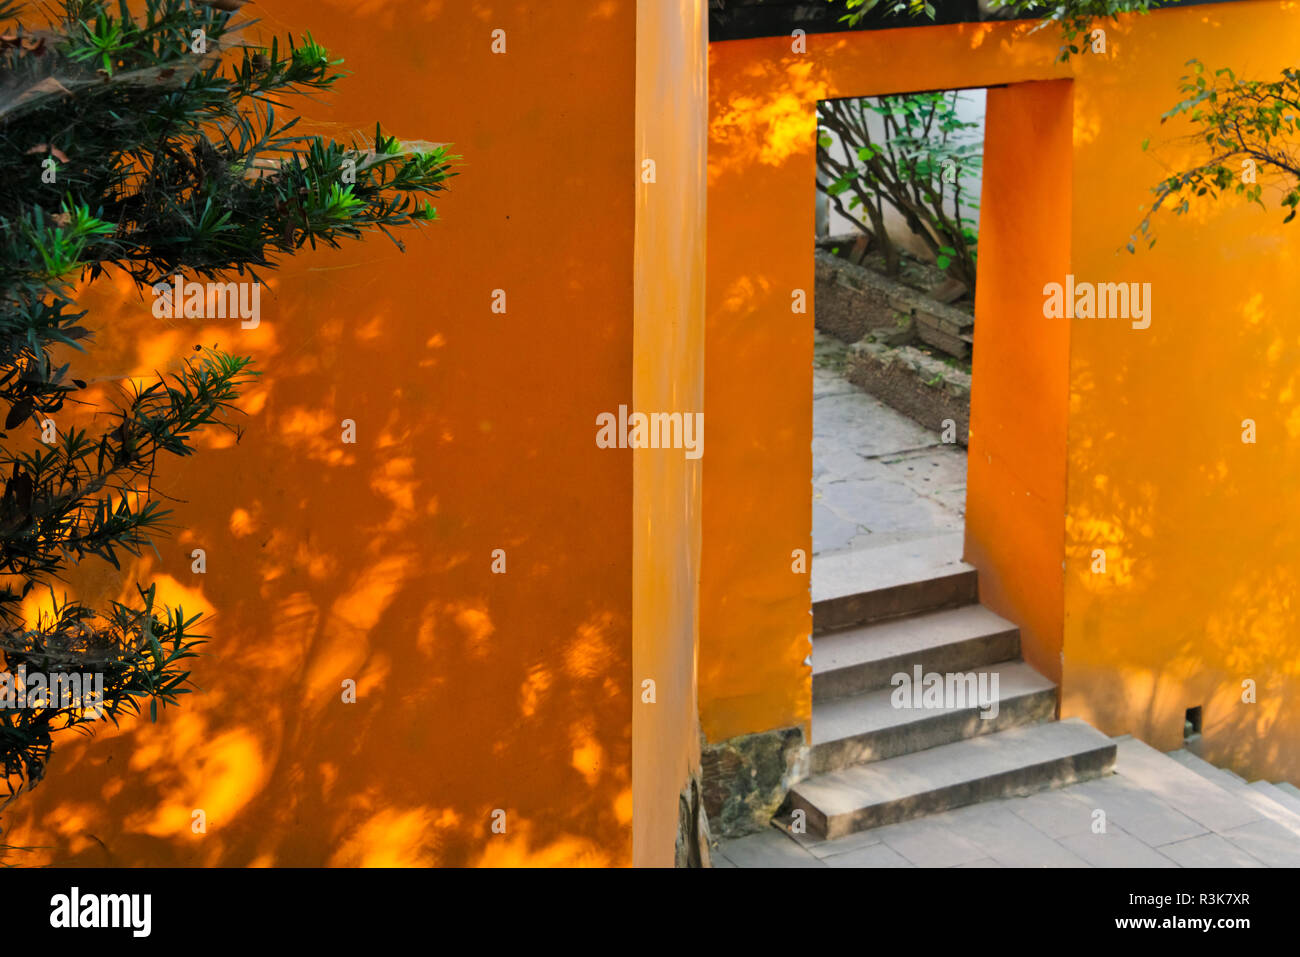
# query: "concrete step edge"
845,574
1278,796
1288,787
1236,785
864,657
855,717
952,589
1017,761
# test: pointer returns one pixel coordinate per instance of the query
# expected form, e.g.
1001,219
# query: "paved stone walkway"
1158,813
878,477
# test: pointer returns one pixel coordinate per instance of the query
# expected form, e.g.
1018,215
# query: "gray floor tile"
768,848
1115,848
1056,813
1267,841
928,843
877,855
1008,839
878,476
844,845
1208,850
1137,811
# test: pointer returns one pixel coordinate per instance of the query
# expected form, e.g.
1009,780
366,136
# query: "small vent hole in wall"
1192,724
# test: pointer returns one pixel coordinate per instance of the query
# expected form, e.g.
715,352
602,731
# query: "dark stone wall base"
745,779
692,826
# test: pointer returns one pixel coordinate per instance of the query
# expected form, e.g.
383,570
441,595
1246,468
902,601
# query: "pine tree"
151,140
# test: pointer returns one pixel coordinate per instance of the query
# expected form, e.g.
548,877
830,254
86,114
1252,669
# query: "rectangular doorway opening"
898,191
941,216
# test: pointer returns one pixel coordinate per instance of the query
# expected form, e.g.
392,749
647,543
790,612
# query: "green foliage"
172,152
918,168
860,8
1073,17
1250,128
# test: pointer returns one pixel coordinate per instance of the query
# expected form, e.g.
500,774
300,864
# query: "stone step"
1016,761
1220,776
866,657
1205,769
1288,787
890,581
1276,794
868,727
1236,786
1200,799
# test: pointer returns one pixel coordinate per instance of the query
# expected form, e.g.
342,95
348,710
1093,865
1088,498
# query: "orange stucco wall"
521,691
755,612
1201,536
1201,531
476,431
1016,463
668,376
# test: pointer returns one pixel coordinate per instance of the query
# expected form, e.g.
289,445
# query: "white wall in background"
830,222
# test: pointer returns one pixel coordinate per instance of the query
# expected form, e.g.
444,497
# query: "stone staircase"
1154,810
893,610
1278,802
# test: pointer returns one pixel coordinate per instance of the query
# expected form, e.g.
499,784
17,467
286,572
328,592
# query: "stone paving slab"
1208,850
1115,848
1008,839
878,477
928,844
1279,795
1057,814
770,848
1268,842
1181,788
930,470
1137,811
1236,785
822,848
877,855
